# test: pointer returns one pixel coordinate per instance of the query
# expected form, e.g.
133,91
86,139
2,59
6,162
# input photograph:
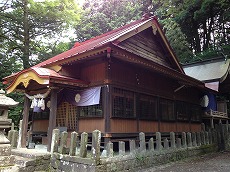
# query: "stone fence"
86,156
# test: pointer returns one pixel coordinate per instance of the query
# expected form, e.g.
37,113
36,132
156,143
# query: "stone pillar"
62,149
178,141
198,137
14,139
142,141
202,127
109,149
202,135
10,136
83,147
172,140
121,148
55,140
158,141
151,144
189,139
96,144
20,135
73,143
166,143
206,138
210,137
132,146
194,142
184,140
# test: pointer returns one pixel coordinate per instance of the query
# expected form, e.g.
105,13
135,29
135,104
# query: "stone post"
202,127
96,144
14,139
73,143
178,143
210,137
172,140
83,147
20,135
206,138
10,136
121,148
63,141
158,141
54,141
189,139
194,142
184,140
109,149
198,137
142,141
202,135
151,144
166,143
132,146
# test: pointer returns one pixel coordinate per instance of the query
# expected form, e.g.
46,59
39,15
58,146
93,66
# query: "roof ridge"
112,31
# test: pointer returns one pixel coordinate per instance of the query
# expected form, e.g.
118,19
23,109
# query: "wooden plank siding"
123,125
132,77
91,124
40,125
148,126
94,72
146,45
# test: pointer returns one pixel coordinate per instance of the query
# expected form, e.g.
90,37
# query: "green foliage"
101,16
29,24
204,24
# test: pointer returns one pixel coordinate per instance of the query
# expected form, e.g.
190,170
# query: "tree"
101,16
29,24
205,24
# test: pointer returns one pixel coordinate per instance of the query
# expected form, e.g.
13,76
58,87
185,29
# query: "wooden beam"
25,121
52,117
106,92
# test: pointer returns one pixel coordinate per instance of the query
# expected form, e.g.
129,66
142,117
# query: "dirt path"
215,162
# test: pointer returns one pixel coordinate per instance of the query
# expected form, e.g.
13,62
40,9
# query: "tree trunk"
25,57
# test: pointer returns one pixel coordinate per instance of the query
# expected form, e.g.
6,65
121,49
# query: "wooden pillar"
106,92
52,117
25,121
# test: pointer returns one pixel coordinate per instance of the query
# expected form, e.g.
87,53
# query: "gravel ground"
215,162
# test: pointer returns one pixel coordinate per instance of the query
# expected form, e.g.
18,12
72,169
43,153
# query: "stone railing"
217,114
78,157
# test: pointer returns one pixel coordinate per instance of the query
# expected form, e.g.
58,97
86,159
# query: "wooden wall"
40,125
123,125
140,80
94,72
91,124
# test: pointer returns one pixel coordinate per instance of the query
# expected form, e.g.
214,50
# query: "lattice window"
147,107
123,103
182,111
91,111
195,111
167,109
67,116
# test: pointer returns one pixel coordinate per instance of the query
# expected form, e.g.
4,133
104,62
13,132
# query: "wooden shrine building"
122,82
215,74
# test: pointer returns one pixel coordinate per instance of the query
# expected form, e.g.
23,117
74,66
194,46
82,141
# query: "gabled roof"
208,71
212,72
101,44
115,37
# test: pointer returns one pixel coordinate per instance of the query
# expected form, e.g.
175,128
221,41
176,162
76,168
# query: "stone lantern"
5,148
5,103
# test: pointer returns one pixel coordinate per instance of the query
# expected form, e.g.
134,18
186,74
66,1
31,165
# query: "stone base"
5,150
7,161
